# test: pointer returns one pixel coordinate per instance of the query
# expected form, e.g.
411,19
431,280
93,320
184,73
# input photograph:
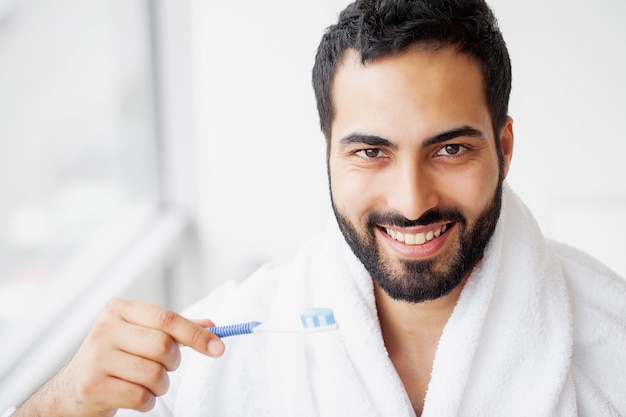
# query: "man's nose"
411,191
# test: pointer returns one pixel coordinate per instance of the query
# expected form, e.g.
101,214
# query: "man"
449,300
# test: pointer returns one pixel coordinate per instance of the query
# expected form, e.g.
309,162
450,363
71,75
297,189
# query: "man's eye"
370,153
451,150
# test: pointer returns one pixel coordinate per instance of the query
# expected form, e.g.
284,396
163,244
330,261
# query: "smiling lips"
416,238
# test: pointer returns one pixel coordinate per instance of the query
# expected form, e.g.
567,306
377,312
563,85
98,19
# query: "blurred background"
155,148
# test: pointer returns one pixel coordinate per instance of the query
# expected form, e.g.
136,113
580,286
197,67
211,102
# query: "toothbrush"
313,320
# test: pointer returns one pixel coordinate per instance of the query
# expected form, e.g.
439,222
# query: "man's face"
413,168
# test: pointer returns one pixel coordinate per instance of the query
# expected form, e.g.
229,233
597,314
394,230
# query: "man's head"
413,104
378,28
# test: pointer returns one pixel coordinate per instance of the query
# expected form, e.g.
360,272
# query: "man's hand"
122,363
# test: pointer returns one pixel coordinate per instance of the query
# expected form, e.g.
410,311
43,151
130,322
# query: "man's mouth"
417,238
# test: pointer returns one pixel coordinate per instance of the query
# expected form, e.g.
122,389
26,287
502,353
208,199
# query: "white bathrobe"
539,330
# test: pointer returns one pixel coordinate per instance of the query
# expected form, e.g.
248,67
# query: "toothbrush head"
318,319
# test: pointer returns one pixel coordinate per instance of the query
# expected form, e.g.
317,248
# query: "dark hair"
379,28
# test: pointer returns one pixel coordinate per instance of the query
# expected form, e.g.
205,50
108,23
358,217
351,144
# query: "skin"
412,101
122,363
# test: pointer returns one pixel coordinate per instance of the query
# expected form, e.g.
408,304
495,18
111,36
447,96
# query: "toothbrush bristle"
317,317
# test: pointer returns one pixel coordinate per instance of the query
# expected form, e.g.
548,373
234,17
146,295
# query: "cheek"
472,191
354,192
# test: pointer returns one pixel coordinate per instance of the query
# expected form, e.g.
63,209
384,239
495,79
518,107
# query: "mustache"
434,215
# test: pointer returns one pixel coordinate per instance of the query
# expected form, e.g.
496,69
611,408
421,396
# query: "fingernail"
216,347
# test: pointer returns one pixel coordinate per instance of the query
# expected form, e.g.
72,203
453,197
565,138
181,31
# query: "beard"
421,280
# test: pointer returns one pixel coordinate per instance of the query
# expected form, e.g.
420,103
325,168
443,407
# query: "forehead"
416,93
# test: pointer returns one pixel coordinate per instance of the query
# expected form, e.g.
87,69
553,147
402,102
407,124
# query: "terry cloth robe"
539,330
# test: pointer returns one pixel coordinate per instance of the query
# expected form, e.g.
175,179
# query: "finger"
203,322
151,344
182,330
100,391
114,332
140,371
126,395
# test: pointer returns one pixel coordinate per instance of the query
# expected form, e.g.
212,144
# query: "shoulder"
598,304
592,286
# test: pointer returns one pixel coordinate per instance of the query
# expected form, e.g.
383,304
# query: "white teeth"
417,238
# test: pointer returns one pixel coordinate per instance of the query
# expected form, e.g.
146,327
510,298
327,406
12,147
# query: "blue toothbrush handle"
234,329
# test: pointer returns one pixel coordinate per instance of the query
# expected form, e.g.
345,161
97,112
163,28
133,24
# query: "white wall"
569,106
261,157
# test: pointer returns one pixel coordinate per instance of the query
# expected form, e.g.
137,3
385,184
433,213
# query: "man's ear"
506,142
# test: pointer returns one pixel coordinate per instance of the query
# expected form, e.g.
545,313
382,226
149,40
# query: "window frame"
156,259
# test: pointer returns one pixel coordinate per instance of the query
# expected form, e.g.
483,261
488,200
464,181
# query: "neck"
401,320
411,332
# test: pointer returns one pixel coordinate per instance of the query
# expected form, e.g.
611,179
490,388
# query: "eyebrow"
370,140
377,141
463,131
